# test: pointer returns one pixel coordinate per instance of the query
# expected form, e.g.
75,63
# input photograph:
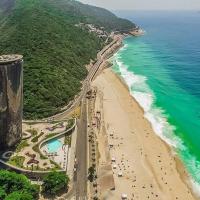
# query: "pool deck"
44,164
60,156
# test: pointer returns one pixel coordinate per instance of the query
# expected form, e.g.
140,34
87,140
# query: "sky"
146,4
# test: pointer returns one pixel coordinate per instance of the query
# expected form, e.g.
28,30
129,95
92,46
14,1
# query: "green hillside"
55,50
94,15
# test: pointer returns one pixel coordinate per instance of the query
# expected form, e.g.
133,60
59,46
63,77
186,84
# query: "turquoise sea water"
162,70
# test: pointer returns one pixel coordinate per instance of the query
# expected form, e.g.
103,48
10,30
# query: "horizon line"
170,10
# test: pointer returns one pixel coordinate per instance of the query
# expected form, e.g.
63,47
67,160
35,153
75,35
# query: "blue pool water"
54,145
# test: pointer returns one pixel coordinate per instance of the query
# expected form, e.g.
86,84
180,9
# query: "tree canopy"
55,182
19,196
13,184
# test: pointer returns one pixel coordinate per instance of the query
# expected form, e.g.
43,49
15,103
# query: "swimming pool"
54,145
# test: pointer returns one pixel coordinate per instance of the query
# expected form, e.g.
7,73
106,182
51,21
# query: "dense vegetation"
93,15
55,182
16,186
55,50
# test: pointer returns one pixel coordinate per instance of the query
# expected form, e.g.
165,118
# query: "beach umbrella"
114,166
111,145
124,196
113,159
120,174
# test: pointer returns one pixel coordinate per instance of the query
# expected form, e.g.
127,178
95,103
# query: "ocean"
162,71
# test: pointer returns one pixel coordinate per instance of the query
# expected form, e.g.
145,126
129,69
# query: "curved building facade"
11,100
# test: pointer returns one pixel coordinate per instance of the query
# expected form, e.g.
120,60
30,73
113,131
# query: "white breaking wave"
145,97
195,187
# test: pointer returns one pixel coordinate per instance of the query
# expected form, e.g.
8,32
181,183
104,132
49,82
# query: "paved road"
80,180
80,177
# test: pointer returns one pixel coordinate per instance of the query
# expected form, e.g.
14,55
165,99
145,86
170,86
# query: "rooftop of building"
4,59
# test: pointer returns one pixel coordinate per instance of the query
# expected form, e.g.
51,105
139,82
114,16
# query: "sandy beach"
145,163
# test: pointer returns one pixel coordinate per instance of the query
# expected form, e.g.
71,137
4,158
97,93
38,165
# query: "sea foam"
144,96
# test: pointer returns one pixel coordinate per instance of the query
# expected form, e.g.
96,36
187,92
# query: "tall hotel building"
11,100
